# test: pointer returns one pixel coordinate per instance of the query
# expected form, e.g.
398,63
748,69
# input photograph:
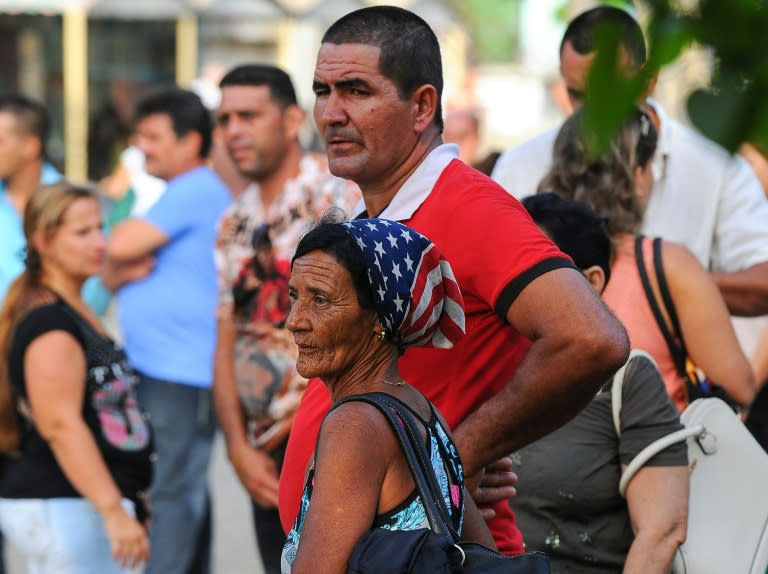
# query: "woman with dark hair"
71,498
617,186
357,306
572,509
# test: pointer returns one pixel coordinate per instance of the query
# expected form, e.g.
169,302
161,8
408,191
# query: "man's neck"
22,184
186,167
273,185
377,195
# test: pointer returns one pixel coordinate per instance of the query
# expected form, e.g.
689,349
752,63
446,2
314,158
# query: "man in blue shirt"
24,128
23,168
162,265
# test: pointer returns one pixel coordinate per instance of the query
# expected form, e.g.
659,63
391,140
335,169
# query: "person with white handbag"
568,503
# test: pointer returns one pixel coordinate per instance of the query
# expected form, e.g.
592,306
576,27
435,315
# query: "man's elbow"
119,251
606,348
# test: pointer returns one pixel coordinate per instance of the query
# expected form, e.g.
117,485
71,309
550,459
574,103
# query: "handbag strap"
415,451
678,354
618,385
652,450
656,446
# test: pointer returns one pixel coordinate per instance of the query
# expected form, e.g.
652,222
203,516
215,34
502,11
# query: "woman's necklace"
396,383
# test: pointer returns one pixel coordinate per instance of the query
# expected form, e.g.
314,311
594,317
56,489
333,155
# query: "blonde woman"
71,495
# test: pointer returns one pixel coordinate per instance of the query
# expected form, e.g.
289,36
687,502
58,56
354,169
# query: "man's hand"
137,269
495,483
258,474
116,275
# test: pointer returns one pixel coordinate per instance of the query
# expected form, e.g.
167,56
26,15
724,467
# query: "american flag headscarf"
416,295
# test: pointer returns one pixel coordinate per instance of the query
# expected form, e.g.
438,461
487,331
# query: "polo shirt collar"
417,188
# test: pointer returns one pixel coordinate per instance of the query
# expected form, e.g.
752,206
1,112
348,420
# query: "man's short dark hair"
186,110
572,225
279,82
582,33
410,52
31,116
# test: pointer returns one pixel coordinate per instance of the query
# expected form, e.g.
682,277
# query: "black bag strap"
666,295
676,351
415,451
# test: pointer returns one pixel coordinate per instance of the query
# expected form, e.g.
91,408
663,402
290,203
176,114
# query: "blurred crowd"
213,282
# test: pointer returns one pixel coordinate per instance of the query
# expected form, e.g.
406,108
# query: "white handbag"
728,502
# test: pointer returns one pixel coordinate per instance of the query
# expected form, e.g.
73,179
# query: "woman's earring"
380,335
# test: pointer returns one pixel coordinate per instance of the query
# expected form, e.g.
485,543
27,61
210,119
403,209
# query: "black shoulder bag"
696,384
438,550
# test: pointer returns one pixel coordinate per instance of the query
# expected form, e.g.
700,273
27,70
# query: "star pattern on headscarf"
406,273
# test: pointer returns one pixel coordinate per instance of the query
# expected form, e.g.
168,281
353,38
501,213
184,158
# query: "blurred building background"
90,60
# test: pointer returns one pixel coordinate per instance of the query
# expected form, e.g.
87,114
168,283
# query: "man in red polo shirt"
539,342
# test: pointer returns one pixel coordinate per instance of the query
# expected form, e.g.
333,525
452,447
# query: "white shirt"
703,197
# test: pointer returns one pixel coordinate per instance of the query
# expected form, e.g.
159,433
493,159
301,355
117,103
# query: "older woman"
71,496
363,292
617,186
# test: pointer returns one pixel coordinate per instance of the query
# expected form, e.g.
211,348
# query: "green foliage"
733,109
493,26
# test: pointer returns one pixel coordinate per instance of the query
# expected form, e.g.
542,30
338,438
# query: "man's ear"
32,147
293,119
596,277
651,85
425,99
192,142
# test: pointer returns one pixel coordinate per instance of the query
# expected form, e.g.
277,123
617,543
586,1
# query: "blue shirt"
168,318
12,241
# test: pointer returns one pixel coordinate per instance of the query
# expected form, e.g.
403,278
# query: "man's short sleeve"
183,203
490,240
741,232
520,169
647,414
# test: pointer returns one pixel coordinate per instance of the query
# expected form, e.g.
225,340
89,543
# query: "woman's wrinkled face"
330,328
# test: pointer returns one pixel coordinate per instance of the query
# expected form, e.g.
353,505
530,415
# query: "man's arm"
576,345
255,469
133,239
745,292
740,251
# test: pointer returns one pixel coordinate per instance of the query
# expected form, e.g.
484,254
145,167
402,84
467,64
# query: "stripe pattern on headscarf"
417,298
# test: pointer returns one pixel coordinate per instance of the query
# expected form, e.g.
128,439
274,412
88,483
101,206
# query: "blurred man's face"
574,68
256,130
158,142
13,146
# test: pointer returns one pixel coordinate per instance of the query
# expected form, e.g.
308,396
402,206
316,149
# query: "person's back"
520,169
573,510
617,185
